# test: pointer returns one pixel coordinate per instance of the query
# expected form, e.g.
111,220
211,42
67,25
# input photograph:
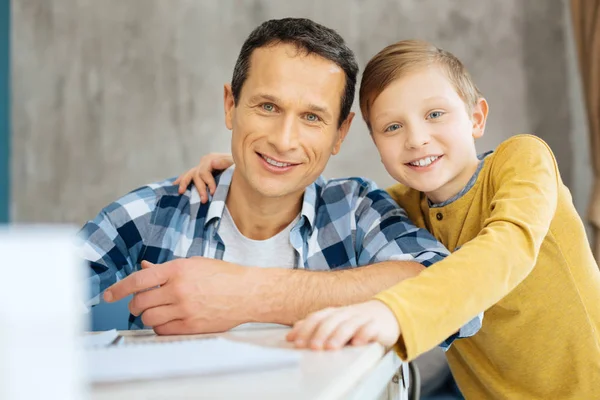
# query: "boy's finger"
325,328
344,333
184,182
366,334
221,163
304,330
201,188
182,188
291,336
208,180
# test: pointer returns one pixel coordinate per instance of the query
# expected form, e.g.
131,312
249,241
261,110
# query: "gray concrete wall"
109,95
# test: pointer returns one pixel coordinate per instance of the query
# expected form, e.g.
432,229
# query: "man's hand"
187,296
359,324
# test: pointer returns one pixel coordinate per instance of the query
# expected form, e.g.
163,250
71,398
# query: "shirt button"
439,216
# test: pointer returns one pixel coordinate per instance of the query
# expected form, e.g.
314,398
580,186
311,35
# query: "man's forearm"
284,296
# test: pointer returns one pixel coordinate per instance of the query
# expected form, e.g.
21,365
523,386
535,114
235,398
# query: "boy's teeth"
275,163
424,161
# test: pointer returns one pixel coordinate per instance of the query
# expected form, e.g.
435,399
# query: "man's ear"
229,105
342,132
479,117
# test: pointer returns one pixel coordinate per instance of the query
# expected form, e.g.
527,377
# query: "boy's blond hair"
400,58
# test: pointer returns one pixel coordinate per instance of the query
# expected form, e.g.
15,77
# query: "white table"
358,373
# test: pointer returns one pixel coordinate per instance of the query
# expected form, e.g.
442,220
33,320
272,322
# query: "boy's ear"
479,117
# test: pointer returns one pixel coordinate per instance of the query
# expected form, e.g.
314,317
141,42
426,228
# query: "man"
257,250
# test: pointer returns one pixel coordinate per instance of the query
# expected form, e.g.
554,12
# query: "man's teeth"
276,163
424,161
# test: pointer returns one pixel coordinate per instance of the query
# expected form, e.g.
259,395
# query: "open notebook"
181,358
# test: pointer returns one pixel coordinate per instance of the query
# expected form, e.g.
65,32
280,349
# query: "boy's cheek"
394,167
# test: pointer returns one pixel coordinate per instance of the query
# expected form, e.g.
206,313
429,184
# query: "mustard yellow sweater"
521,254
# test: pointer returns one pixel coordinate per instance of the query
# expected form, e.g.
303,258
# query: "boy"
520,249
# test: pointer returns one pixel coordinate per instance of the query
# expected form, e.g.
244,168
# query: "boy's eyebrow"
386,113
380,116
435,98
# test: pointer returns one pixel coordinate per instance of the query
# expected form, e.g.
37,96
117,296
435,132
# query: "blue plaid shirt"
344,223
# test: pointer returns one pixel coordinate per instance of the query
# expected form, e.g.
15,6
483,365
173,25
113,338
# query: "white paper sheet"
102,339
191,357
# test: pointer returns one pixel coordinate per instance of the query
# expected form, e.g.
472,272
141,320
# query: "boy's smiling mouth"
424,161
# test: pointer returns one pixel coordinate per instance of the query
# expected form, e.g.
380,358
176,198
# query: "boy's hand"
202,174
358,324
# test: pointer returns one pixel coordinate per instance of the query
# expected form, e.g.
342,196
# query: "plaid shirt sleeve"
388,234
113,242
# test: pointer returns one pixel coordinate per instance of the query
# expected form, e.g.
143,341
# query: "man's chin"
275,193
276,188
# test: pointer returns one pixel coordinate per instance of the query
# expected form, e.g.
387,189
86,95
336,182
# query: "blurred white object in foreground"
40,316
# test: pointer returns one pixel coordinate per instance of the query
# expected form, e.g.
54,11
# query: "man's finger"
175,327
146,264
136,282
159,315
150,299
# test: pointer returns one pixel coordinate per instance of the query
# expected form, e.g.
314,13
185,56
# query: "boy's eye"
312,117
269,107
435,114
392,128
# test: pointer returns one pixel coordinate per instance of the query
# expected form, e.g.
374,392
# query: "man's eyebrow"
319,109
257,98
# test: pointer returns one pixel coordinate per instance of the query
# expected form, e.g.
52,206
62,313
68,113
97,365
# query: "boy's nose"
417,139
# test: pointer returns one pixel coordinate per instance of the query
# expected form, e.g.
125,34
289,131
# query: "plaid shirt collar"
223,181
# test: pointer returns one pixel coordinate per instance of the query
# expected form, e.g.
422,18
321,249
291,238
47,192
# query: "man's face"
285,125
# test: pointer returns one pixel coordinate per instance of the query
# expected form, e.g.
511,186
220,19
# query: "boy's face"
425,135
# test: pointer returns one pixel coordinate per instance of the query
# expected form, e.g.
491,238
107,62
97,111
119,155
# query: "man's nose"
285,136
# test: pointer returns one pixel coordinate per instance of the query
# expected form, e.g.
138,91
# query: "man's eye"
392,128
269,107
312,118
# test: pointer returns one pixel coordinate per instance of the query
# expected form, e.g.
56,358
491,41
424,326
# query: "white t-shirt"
277,251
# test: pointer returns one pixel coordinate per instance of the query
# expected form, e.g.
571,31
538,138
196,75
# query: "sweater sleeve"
435,304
